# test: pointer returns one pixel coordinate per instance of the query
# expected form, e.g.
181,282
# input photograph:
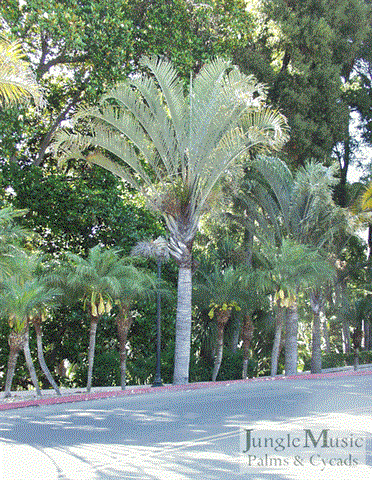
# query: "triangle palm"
175,149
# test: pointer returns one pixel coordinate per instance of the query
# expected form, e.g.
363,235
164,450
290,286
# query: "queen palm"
17,81
175,148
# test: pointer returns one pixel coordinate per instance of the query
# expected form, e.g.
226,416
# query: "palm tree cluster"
30,288
184,147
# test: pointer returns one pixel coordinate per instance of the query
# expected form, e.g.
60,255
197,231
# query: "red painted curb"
190,386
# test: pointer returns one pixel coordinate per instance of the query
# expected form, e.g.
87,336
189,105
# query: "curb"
82,397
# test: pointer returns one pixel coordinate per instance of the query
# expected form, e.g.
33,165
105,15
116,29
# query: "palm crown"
175,146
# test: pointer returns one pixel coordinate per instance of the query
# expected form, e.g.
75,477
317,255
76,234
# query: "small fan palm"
175,149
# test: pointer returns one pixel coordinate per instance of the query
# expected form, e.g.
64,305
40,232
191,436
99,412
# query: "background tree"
307,53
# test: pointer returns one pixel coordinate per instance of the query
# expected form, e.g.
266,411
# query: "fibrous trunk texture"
247,336
222,317
124,322
15,341
279,322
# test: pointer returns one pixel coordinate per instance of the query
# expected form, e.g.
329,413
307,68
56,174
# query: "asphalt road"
195,434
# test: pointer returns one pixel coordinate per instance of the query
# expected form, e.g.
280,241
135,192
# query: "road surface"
194,434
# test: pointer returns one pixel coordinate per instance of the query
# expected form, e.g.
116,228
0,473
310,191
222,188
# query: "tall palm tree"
175,149
17,82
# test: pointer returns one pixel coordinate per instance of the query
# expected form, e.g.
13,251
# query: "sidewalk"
28,398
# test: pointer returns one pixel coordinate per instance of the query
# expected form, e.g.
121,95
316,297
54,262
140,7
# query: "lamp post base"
157,382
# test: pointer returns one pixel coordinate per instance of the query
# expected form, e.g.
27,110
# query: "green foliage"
306,51
334,360
78,50
75,212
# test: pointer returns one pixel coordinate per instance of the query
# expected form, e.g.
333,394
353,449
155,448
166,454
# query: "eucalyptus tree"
17,81
175,148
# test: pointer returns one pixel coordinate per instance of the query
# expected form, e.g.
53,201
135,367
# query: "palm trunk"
247,336
91,349
279,322
39,339
222,316
367,330
326,334
183,325
30,364
316,353
235,337
346,340
291,341
15,342
124,322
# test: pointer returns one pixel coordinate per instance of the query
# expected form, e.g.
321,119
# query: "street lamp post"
157,249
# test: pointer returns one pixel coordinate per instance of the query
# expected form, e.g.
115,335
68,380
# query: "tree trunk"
316,353
235,336
124,322
367,334
247,336
183,325
91,349
279,322
30,364
15,341
222,316
346,340
326,333
40,354
291,341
